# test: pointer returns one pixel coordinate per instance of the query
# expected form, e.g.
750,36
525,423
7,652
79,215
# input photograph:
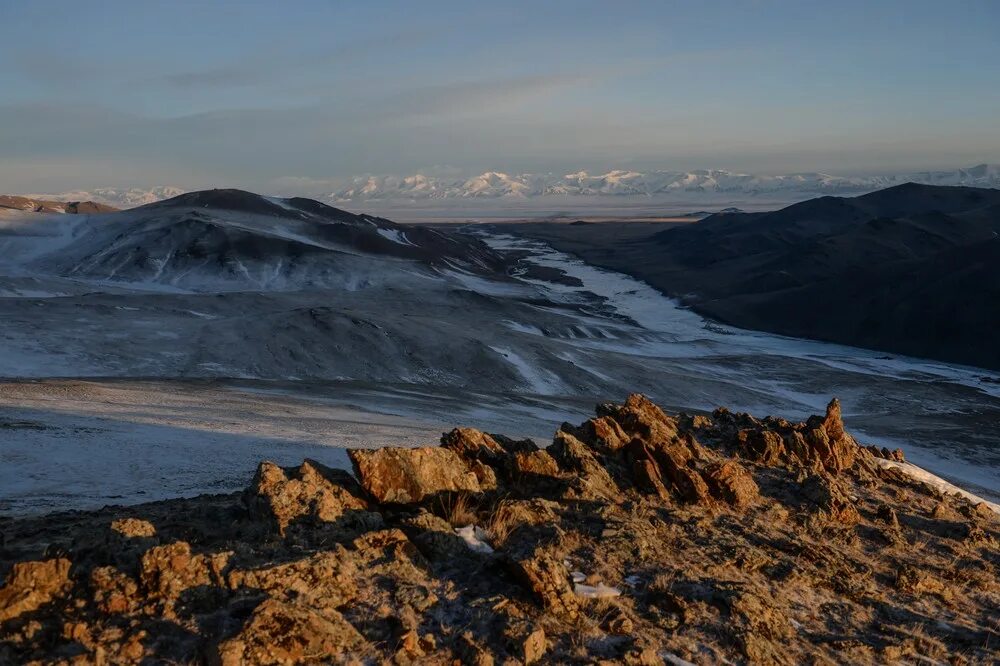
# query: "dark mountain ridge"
241,239
48,206
912,269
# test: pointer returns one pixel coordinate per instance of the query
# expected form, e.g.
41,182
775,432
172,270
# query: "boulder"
533,647
113,591
535,464
31,585
472,444
310,491
639,417
284,633
167,571
764,446
589,479
324,579
546,578
133,528
732,483
407,476
604,432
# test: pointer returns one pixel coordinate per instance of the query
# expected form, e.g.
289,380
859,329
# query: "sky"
254,94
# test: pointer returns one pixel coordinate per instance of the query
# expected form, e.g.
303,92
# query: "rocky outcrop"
406,476
280,633
819,444
31,585
634,537
310,491
133,528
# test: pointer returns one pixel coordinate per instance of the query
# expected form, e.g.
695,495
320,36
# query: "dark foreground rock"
637,537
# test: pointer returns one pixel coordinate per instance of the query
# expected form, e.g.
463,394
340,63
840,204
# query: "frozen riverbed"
945,417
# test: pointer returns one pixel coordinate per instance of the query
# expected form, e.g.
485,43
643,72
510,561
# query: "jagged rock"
133,527
884,453
604,432
311,491
693,421
545,576
30,585
781,583
472,444
645,470
113,591
533,648
325,579
640,417
732,483
820,444
590,480
764,446
824,491
535,464
281,633
436,539
406,476
167,571
829,442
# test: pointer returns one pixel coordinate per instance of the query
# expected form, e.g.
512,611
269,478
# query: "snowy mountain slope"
225,240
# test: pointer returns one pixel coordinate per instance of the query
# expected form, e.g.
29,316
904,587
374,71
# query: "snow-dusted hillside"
225,240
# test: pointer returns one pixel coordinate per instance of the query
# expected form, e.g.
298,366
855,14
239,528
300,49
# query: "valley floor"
83,444
128,395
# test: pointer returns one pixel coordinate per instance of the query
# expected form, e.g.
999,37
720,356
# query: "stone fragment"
533,647
133,527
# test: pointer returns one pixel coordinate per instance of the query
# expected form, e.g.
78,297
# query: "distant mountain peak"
654,184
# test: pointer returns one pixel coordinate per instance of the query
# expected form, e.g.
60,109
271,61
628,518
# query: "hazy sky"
247,93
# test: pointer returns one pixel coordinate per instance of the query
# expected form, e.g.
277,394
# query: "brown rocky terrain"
637,537
48,206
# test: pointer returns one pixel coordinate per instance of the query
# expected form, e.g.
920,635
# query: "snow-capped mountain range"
494,184
619,183
119,197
